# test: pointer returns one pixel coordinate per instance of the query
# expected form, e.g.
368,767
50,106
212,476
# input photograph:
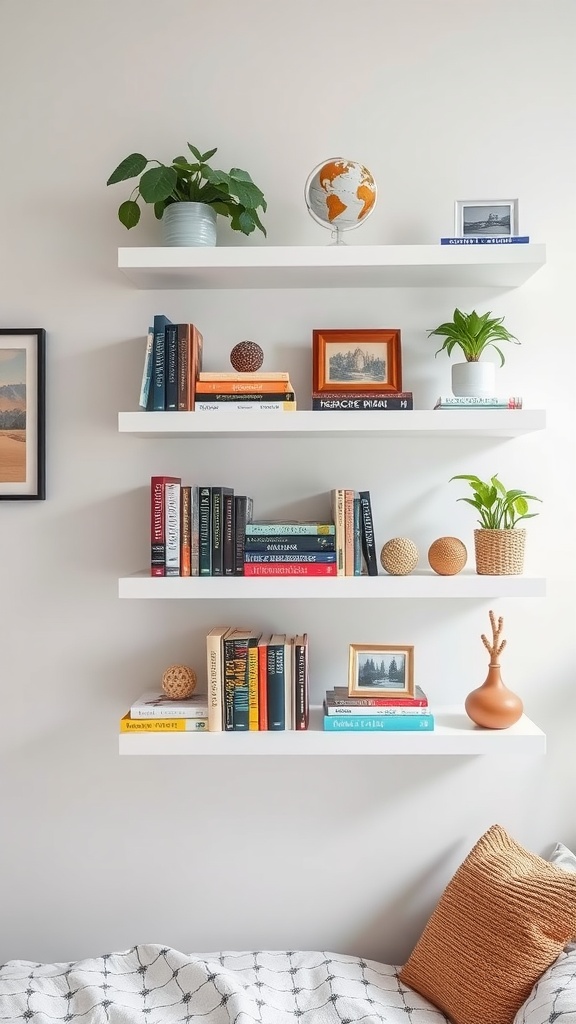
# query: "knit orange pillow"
502,920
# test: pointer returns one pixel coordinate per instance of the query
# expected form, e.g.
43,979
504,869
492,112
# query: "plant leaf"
157,184
130,167
208,155
129,214
195,151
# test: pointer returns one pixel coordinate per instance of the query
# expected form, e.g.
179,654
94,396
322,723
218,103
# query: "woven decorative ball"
179,682
246,357
399,556
447,556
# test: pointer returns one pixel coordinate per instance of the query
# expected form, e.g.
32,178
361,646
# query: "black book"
228,532
301,697
275,689
243,510
217,499
367,533
204,532
171,355
290,543
352,403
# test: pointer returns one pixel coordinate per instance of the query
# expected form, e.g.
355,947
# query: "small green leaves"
129,168
499,509
473,333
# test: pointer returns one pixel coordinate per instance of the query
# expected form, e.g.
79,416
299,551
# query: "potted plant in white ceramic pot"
187,195
499,544
473,334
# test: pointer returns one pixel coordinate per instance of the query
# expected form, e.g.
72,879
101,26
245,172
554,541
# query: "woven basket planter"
499,552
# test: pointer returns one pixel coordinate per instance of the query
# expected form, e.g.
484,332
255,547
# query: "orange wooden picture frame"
356,361
392,657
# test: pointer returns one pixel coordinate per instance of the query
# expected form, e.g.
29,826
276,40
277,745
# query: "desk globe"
340,194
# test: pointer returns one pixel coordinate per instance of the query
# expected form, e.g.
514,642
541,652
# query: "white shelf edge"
454,734
324,266
393,423
423,584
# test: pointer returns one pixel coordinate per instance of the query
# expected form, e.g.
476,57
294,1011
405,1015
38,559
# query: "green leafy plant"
473,334
499,509
232,194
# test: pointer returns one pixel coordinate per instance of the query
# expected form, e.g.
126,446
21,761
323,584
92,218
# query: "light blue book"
383,723
144,402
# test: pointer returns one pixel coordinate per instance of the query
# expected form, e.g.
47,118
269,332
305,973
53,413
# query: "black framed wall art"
22,413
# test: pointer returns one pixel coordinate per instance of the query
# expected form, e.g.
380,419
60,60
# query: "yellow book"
134,725
253,698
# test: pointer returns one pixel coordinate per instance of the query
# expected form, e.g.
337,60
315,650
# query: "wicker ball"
246,357
447,556
179,682
399,556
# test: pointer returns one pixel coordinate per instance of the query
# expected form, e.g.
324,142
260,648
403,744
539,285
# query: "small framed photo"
485,218
22,413
350,361
376,670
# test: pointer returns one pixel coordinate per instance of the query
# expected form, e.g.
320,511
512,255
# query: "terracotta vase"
493,705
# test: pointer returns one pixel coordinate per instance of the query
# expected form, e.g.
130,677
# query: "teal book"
385,723
159,363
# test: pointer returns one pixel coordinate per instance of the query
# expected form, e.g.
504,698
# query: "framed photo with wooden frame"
380,670
22,413
356,361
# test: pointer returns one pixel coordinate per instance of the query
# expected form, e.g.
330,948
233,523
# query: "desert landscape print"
12,415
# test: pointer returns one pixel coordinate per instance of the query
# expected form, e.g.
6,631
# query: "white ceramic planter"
473,380
189,224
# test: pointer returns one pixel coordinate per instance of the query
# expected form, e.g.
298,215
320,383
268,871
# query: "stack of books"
276,548
343,713
155,712
365,401
172,362
245,392
495,402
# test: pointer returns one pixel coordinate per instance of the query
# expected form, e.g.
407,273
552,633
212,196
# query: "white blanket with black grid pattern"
158,985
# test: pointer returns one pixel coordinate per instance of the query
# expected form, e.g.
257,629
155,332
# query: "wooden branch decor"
493,705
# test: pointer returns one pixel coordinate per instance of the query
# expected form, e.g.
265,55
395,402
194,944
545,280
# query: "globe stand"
337,235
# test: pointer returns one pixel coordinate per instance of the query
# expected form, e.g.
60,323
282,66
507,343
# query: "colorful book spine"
228,532
253,690
488,240
244,407
186,531
194,531
171,353
340,698
243,511
159,363
135,725
172,512
367,532
279,375
263,682
357,536
301,693
144,401
242,387
275,680
228,681
290,569
283,557
447,402
273,528
348,532
330,709
289,544
384,723
227,397
241,684
337,508
214,660
204,531
158,523
356,403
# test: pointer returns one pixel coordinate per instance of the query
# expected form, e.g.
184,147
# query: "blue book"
145,390
284,557
159,363
382,723
488,240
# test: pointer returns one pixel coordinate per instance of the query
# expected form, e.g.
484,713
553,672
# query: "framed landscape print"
22,413
356,361
380,670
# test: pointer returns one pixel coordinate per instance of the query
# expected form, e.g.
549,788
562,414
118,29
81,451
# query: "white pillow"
563,858
553,997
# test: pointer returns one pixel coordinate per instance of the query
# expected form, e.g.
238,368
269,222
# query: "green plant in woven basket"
473,334
498,508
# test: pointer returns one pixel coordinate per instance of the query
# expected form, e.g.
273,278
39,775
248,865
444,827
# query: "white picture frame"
486,218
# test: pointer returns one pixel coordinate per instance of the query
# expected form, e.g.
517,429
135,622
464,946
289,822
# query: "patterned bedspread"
158,985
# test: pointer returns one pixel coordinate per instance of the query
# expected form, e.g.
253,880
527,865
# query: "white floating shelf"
424,584
389,423
331,266
454,734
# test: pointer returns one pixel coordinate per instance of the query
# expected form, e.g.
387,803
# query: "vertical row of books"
256,683
196,531
172,362
354,533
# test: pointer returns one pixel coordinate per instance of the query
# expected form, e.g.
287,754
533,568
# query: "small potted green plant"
473,334
499,544
188,194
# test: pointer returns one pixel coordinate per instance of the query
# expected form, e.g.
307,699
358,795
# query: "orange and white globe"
340,194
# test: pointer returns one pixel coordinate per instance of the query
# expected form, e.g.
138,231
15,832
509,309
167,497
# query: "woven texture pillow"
502,920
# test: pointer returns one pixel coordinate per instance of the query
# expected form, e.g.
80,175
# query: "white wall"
442,100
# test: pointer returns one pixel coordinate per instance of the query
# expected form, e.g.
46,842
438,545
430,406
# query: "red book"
158,523
290,569
263,682
339,697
